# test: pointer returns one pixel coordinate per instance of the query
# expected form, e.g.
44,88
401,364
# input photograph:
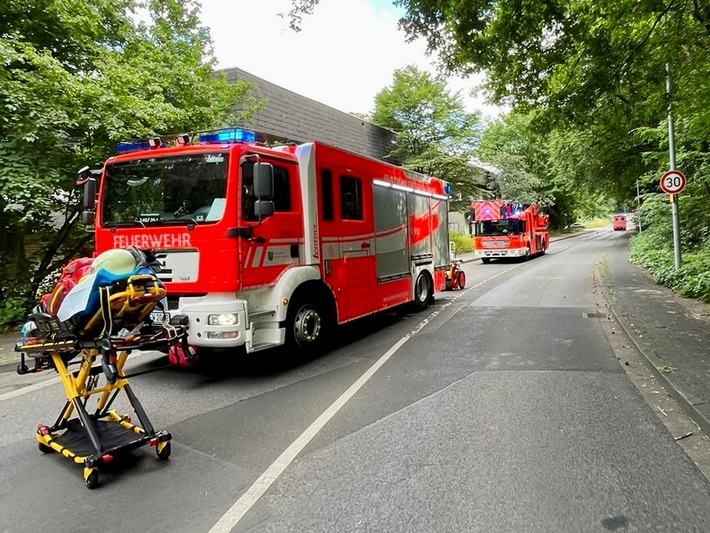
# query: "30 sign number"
673,181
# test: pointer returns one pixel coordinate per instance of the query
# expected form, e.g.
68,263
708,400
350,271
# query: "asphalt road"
502,408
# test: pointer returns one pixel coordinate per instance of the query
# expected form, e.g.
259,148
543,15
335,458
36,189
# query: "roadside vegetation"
462,241
76,78
653,247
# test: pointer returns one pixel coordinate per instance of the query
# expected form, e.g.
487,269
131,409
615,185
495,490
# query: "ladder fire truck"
261,246
508,229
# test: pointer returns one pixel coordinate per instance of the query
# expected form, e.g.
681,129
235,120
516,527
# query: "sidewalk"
9,358
671,332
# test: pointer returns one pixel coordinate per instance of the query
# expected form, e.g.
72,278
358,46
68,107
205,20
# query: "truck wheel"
423,292
306,326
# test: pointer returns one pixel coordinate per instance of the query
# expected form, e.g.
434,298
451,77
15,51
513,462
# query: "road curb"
673,389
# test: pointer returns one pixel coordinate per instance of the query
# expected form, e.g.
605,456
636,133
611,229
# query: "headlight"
224,319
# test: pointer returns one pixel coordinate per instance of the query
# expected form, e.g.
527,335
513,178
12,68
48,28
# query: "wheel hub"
307,325
422,289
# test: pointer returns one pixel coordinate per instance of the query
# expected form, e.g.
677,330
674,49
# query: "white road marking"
30,388
51,381
240,508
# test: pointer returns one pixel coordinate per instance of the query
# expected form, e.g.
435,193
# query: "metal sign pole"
638,205
671,150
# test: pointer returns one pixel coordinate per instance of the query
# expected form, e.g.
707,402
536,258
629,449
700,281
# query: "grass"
665,369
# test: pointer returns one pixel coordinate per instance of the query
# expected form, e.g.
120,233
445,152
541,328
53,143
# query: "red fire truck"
261,246
619,222
508,229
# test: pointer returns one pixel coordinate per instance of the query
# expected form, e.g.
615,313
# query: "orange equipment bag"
71,275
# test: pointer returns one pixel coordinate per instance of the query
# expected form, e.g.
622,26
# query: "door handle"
365,245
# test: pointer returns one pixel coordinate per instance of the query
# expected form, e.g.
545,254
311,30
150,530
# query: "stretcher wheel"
44,448
22,369
164,452
91,478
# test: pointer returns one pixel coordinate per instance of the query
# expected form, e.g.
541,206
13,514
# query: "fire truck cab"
508,230
261,246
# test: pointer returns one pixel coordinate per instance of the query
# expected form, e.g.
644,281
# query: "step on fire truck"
508,229
261,246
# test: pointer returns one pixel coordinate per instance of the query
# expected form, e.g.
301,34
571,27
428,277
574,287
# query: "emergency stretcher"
115,322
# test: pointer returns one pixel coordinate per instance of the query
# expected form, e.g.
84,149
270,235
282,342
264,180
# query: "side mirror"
88,177
263,208
263,181
88,218
90,194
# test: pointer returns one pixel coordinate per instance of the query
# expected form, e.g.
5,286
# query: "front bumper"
200,332
500,252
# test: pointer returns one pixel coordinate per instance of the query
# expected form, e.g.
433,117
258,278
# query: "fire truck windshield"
500,227
165,190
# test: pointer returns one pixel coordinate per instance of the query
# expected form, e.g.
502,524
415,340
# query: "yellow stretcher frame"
128,307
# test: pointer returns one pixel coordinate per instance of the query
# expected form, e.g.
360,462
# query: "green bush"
463,241
691,279
12,311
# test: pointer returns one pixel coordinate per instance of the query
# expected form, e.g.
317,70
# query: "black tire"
92,480
423,291
306,326
164,453
485,260
44,448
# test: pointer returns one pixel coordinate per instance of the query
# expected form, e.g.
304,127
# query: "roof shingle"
290,116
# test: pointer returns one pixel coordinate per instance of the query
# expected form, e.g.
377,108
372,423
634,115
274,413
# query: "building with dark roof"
291,117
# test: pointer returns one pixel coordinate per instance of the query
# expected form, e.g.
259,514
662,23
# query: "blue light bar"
124,147
233,135
134,146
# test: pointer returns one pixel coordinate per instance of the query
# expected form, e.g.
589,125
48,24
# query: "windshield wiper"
189,222
113,225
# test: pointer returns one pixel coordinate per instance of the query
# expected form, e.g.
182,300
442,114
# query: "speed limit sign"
673,181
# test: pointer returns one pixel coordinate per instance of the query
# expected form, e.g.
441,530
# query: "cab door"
271,245
353,274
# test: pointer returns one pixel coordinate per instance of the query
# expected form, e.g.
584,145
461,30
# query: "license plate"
158,317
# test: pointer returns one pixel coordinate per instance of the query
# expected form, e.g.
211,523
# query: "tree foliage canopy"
435,134
77,77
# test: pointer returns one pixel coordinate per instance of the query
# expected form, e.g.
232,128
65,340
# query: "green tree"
592,68
76,78
435,134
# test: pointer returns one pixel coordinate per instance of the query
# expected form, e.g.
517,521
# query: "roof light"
232,135
125,147
182,140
